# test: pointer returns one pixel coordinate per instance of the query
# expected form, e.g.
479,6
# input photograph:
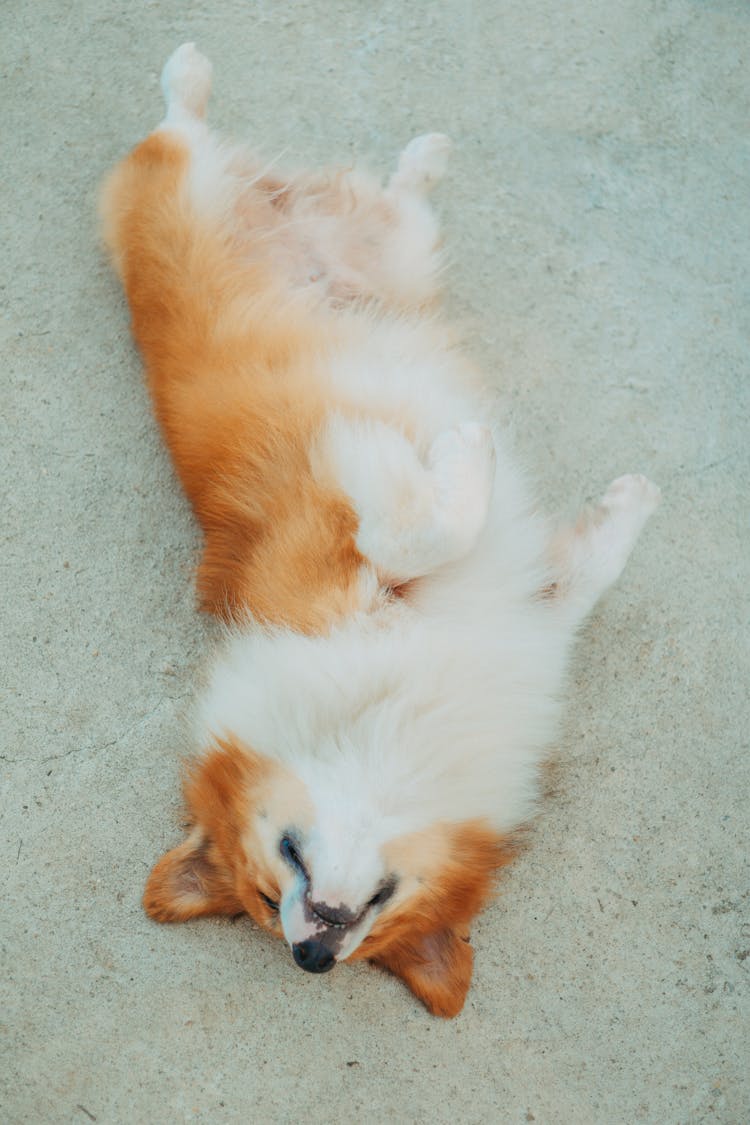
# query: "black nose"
313,957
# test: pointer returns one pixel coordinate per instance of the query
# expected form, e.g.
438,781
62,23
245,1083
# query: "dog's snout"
313,957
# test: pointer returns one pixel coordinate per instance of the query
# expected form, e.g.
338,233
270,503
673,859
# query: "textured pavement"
596,213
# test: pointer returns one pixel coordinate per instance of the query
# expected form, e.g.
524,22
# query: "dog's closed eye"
383,894
270,903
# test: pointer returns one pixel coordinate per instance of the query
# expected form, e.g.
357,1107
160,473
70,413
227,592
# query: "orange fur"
436,967
227,359
424,941
211,872
191,881
236,367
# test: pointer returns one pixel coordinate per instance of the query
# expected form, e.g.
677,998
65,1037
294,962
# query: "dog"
399,615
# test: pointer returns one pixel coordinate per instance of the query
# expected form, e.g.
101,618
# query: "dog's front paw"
633,495
616,523
462,462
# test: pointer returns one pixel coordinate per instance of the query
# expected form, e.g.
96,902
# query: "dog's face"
329,882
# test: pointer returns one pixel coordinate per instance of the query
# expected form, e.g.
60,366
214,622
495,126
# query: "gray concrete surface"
597,216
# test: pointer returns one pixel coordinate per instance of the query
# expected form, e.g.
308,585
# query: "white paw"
186,80
423,162
617,521
462,462
633,493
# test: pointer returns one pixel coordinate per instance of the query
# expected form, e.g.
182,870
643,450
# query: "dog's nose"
313,957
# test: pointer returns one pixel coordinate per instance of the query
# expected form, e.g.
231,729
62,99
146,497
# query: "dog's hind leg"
186,85
369,240
421,166
409,259
216,171
590,556
164,210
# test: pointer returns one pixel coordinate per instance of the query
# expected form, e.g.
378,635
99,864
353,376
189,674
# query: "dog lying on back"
400,615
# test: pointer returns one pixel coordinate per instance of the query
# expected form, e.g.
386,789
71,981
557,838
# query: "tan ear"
436,967
190,881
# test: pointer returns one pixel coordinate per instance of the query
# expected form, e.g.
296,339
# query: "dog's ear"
436,967
189,881
425,941
198,877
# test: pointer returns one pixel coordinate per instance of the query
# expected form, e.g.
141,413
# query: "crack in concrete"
93,749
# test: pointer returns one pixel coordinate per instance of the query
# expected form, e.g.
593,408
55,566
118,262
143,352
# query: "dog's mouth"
318,952
328,929
320,929
321,934
336,917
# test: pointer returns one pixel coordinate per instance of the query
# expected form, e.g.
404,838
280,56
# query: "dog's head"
336,881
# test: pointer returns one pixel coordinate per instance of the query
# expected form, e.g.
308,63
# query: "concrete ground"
597,218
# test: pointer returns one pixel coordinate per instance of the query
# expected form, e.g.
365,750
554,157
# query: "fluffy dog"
399,616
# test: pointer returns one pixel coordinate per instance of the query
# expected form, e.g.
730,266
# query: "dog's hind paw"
422,163
186,81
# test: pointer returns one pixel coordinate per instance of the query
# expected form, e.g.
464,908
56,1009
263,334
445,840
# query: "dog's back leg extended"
229,356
